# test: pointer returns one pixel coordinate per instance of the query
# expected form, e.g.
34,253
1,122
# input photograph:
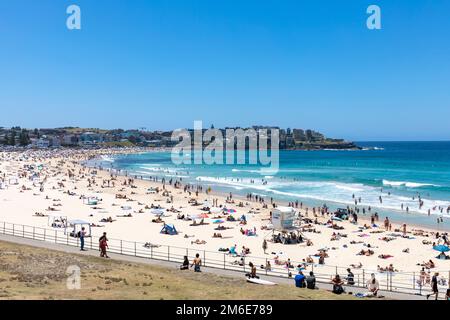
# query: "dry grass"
35,273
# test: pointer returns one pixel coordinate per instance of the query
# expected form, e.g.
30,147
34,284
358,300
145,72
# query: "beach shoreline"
19,206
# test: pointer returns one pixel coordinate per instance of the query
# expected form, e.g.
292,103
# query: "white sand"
18,206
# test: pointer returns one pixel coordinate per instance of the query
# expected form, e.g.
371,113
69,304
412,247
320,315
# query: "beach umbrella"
157,211
194,216
206,203
215,210
199,216
441,248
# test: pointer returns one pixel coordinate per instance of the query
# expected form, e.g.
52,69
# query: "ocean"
399,172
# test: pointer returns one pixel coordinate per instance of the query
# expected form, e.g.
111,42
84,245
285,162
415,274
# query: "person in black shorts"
434,286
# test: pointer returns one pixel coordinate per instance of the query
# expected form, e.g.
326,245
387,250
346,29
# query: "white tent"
75,226
157,211
13,181
90,201
215,210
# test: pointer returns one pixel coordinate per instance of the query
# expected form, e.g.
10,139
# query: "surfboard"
260,281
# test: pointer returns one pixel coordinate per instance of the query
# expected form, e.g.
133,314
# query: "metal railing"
401,282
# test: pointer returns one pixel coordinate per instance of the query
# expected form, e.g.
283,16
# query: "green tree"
24,138
12,138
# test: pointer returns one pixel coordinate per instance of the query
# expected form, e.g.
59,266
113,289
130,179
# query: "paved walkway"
75,250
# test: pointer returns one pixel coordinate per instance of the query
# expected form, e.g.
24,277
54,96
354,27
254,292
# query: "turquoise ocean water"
397,171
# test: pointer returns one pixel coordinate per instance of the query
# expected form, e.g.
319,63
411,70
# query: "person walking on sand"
197,263
264,246
103,244
82,235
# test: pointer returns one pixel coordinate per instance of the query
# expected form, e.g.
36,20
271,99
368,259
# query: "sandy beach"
39,184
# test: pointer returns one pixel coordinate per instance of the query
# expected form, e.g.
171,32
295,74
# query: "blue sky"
162,64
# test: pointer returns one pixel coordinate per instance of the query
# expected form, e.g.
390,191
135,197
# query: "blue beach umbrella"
441,248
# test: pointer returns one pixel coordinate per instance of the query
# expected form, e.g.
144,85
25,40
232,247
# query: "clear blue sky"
162,64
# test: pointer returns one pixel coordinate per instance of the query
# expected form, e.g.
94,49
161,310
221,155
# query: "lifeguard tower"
283,218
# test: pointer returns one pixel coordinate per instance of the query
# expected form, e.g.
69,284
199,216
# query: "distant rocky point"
290,139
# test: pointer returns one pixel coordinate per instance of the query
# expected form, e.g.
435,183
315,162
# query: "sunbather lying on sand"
389,268
356,266
198,241
367,252
125,216
150,245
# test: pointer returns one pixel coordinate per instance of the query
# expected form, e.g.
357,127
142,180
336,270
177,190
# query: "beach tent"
151,190
441,248
215,210
169,229
157,212
13,181
76,225
199,216
90,201
206,203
